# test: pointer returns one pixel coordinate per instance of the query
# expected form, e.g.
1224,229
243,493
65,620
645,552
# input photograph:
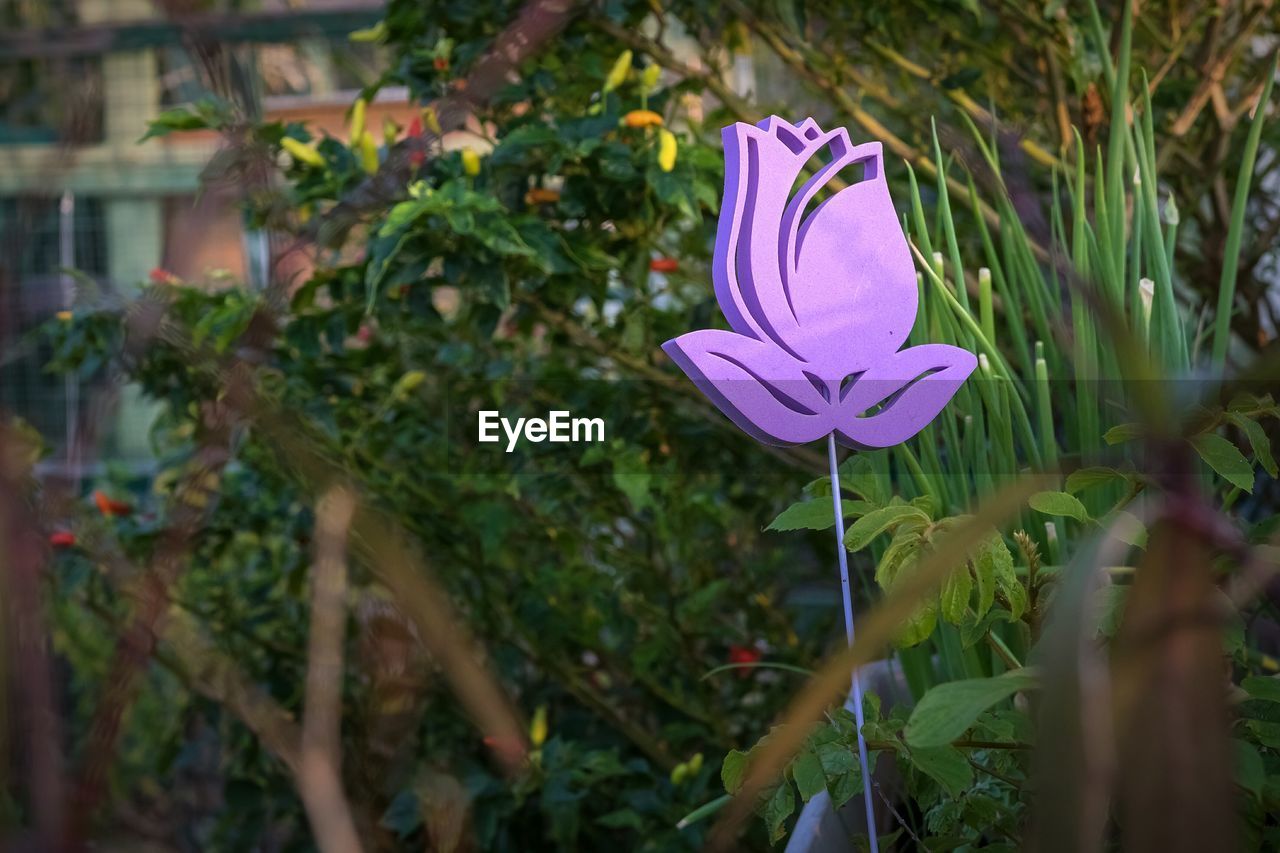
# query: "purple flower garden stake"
820,304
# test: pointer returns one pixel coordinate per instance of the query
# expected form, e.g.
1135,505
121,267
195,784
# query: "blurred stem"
320,774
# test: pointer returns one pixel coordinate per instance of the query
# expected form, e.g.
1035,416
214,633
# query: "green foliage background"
607,585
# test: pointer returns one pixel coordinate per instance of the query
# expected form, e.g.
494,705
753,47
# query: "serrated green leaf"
946,711
816,515
858,475
1225,458
880,521
955,595
810,778
904,548
919,627
1059,503
777,809
993,566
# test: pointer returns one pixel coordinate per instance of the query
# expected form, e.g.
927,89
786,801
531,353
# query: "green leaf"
1267,733
1122,433
1084,478
904,548
858,475
1225,458
636,486
777,809
956,592
880,521
1111,600
919,627
946,765
1059,503
1262,687
816,515
971,633
1250,772
843,773
1258,440
808,774
948,710
734,770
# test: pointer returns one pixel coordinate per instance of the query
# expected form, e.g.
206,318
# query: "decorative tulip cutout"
820,304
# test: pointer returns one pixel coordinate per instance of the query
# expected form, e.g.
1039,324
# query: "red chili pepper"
744,654
111,508
159,275
62,539
441,63
415,128
664,265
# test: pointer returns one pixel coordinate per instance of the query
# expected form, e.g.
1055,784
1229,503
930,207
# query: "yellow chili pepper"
368,35
618,74
432,121
538,727
357,120
649,77
390,131
470,162
368,151
642,118
64,316
302,152
667,147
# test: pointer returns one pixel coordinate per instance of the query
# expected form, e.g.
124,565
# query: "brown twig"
320,774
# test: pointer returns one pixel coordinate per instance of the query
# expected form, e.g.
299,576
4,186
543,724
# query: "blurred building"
79,81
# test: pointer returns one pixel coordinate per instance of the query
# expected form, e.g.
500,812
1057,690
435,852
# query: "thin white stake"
848,630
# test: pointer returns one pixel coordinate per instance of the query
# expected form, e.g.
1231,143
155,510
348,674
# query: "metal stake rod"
843,557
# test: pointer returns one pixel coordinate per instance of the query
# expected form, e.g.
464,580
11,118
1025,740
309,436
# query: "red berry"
62,539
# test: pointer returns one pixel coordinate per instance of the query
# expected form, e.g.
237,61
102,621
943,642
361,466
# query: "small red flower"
160,275
62,539
441,63
664,265
111,508
744,654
